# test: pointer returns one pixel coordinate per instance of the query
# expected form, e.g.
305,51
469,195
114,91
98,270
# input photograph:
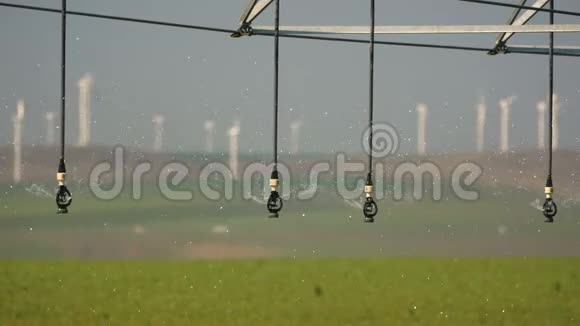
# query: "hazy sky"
191,76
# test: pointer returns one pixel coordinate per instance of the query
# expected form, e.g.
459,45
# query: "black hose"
550,208
63,81
371,84
275,202
551,93
276,80
370,208
63,195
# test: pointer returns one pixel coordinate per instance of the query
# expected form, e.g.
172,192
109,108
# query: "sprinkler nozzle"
63,195
63,199
549,209
370,208
275,202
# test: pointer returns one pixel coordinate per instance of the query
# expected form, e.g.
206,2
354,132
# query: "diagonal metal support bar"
524,19
522,6
253,10
510,21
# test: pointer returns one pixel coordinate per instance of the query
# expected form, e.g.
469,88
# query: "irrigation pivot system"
522,13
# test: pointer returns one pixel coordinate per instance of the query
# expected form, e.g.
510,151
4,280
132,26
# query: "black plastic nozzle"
370,210
63,199
274,204
550,209
63,195
370,207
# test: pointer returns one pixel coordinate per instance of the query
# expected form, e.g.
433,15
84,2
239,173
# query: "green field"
205,262
389,291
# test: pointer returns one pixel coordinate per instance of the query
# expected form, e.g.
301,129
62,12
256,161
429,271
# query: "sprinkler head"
274,204
63,199
63,196
370,210
550,210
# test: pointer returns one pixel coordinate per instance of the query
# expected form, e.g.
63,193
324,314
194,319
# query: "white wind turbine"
85,115
556,123
209,127
480,128
295,128
158,131
541,107
50,128
234,148
505,107
422,111
17,120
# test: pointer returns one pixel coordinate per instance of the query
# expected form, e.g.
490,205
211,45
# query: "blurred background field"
506,220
